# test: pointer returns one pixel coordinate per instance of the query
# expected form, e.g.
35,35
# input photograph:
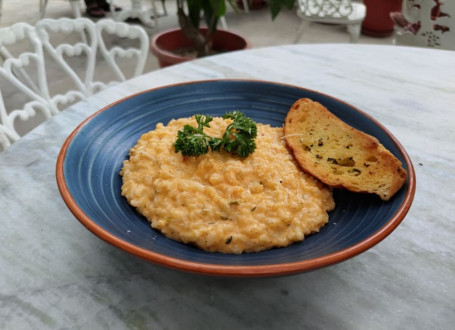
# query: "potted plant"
377,22
198,33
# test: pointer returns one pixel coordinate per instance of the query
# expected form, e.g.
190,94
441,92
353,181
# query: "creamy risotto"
220,202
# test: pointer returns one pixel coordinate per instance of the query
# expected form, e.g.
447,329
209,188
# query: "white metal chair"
8,131
433,24
137,56
61,51
342,12
14,71
75,6
83,67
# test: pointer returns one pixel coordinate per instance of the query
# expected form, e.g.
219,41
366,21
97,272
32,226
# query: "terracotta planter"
166,43
377,21
253,4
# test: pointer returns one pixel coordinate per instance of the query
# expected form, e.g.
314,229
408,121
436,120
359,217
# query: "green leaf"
219,7
275,6
194,12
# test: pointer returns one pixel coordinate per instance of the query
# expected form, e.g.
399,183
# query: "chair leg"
354,32
163,5
76,7
155,13
223,22
42,8
303,26
246,8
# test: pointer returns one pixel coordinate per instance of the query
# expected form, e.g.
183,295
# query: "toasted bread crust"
338,154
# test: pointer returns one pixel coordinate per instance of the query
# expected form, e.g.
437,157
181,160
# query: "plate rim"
236,270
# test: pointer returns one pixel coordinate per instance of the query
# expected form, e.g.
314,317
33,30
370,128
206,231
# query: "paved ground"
256,25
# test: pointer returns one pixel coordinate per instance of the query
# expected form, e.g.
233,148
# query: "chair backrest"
8,133
326,8
55,36
24,71
71,59
96,37
136,55
434,24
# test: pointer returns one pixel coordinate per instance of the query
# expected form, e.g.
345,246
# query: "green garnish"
193,141
237,139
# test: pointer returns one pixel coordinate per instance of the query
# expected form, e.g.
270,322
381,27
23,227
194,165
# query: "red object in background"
165,44
252,4
377,22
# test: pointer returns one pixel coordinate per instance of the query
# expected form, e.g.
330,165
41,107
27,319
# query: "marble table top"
55,274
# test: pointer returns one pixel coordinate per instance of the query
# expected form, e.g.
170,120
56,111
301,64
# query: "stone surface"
55,274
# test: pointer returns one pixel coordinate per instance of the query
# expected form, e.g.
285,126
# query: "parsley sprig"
237,139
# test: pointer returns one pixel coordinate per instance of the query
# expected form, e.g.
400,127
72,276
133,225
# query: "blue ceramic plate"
90,161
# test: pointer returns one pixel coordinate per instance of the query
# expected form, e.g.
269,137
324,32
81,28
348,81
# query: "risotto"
220,202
